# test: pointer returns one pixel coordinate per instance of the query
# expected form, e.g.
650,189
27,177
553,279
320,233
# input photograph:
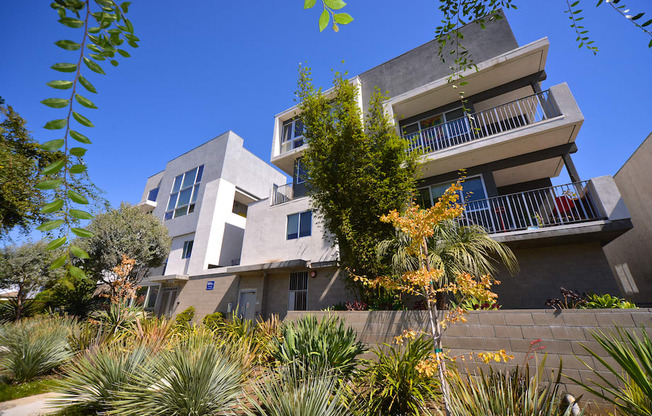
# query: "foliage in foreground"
195,377
318,345
10,391
632,352
519,392
395,386
294,392
357,168
34,347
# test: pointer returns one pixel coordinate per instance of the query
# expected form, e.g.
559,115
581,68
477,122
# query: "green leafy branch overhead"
328,12
104,29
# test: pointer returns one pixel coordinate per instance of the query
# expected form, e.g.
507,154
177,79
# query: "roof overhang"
281,265
169,278
499,70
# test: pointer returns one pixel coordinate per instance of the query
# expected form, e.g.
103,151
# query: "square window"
293,226
184,192
189,178
152,195
179,212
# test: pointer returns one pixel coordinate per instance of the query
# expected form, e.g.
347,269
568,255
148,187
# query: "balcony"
536,209
513,115
282,194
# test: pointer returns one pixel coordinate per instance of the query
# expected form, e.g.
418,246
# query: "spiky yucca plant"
394,386
318,345
34,347
516,393
193,378
632,352
93,378
295,391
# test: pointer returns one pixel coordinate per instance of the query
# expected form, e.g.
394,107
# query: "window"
299,225
292,134
298,299
300,172
439,127
146,297
184,193
152,195
473,194
187,249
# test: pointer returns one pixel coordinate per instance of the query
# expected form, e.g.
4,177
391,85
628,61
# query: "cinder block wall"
561,332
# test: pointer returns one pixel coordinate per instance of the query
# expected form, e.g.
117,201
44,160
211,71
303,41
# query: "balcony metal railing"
281,194
522,112
539,208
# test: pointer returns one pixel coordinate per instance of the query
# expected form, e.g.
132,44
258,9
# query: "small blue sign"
210,285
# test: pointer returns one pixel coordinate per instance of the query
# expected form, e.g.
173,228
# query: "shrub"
515,393
214,320
195,377
294,393
92,379
318,345
395,387
183,318
632,391
607,301
34,347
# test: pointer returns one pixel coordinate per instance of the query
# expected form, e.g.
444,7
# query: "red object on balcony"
563,205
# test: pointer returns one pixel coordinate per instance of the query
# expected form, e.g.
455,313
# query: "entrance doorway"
247,304
168,302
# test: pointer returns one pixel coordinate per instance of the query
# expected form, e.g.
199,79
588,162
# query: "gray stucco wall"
423,65
632,250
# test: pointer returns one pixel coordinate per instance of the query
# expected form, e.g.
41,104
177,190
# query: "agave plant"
195,377
294,392
395,387
318,345
519,392
34,347
93,378
632,392
118,317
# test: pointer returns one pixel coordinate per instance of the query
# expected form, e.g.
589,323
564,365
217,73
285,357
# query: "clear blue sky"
205,67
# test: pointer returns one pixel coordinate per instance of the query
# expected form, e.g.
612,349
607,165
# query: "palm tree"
454,248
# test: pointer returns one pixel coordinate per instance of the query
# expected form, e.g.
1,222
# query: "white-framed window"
473,194
187,249
146,296
291,134
299,225
300,172
444,125
298,300
184,193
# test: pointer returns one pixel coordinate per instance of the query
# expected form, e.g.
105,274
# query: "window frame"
294,141
300,174
292,293
173,209
187,249
461,193
299,234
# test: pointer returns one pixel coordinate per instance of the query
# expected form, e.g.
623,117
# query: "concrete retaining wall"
561,332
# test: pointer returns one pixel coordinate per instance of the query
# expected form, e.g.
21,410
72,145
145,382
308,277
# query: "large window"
184,193
292,135
146,297
299,225
151,196
187,249
298,300
442,126
473,194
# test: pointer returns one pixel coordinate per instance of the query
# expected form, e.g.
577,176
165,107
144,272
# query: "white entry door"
247,304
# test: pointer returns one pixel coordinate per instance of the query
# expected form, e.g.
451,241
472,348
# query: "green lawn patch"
16,391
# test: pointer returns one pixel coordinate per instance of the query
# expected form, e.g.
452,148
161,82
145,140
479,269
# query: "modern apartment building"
514,138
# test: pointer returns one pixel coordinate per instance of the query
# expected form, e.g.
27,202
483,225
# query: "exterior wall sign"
210,285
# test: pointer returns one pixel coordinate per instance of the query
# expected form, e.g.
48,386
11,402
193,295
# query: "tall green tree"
21,160
358,168
26,270
124,231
